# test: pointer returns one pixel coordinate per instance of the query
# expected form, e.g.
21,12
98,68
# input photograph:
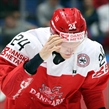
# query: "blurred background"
21,15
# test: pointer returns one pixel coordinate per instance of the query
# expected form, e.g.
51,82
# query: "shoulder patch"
83,60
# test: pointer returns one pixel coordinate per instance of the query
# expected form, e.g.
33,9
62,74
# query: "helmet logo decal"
72,26
56,18
70,37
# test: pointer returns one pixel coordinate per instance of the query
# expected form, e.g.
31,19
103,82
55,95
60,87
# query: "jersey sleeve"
13,77
96,81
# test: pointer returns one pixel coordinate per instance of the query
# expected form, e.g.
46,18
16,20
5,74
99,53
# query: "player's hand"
53,44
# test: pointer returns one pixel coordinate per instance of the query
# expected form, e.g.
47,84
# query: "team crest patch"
83,60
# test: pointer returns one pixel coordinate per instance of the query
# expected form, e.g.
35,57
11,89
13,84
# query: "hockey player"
51,67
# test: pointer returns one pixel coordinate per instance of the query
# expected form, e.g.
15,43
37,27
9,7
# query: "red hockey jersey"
53,86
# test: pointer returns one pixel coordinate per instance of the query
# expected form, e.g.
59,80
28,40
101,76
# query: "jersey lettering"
24,84
101,58
20,41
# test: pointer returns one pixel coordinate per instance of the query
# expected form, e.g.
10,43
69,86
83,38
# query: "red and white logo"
51,93
56,18
103,70
83,60
70,37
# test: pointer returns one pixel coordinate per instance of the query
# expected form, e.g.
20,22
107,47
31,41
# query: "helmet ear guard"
69,23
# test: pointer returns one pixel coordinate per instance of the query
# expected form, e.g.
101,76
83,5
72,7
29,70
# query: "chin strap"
57,58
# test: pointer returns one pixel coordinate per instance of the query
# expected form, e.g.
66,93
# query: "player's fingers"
54,38
55,43
55,48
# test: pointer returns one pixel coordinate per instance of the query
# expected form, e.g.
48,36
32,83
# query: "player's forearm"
15,81
32,65
13,78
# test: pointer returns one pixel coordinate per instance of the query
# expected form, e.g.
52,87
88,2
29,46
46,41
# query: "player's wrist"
32,65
